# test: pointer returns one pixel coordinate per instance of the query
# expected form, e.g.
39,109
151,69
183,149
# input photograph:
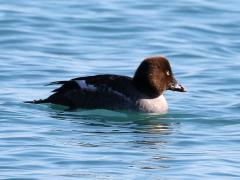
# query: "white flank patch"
83,85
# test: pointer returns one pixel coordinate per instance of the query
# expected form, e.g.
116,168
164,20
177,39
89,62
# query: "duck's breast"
156,105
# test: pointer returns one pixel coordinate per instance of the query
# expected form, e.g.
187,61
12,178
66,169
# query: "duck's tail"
40,101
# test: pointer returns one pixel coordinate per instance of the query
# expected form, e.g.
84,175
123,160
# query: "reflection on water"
130,137
135,122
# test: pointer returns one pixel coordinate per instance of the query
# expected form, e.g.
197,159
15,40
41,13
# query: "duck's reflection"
130,138
107,121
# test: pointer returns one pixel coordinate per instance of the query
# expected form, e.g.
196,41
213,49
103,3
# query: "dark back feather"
112,92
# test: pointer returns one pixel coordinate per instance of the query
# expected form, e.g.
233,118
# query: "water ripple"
44,41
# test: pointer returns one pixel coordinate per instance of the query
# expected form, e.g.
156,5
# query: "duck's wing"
100,91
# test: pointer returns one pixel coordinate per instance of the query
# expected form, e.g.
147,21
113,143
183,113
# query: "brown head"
154,76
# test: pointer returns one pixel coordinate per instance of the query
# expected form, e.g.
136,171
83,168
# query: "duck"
141,93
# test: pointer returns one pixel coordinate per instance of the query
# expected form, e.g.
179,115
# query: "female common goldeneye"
143,92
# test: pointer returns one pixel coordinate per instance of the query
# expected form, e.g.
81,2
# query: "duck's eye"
168,73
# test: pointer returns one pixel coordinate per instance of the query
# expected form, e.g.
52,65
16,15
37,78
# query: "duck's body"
143,92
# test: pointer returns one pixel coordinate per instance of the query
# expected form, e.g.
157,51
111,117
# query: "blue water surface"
48,40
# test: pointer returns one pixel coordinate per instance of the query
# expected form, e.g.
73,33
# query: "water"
44,41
